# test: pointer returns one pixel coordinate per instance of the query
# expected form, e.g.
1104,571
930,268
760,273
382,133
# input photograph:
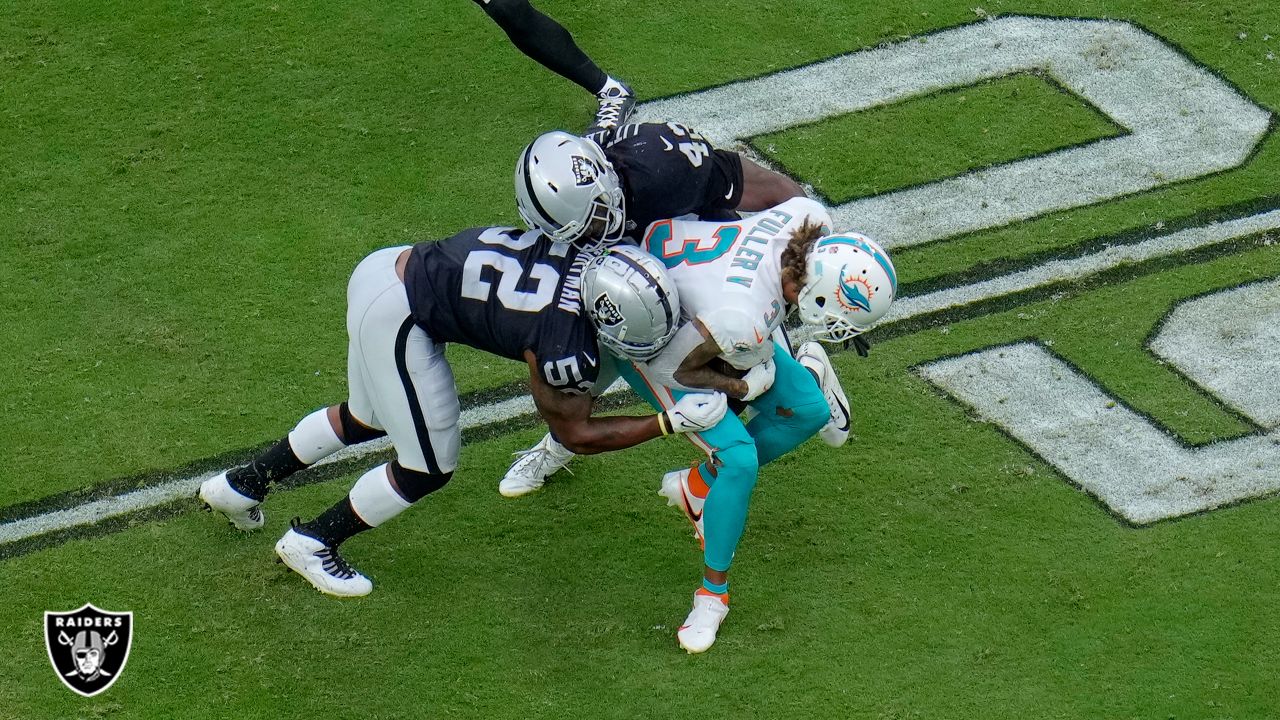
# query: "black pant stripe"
415,407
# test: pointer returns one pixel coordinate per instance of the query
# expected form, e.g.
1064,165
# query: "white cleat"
243,512
698,633
533,468
675,488
321,565
814,358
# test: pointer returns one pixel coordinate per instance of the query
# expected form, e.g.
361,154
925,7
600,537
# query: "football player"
577,191
645,172
548,43
513,293
738,282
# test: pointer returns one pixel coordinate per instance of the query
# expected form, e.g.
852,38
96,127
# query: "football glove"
759,379
696,412
861,345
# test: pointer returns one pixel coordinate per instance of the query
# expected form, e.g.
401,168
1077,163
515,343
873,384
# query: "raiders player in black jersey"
513,293
644,172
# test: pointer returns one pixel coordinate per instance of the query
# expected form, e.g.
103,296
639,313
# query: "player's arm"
695,369
569,417
763,188
698,368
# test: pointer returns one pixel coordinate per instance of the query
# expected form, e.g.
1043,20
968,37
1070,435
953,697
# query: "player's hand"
696,412
861,345
759,379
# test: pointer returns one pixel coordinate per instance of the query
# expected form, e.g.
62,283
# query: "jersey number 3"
672,251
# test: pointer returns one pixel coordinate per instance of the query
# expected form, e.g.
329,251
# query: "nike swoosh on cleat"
845,410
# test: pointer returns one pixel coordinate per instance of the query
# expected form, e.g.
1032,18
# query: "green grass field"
187,188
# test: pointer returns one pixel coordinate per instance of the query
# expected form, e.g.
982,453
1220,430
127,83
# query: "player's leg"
547,42
238,493
410,390
533,467
790,412
815,359
715,495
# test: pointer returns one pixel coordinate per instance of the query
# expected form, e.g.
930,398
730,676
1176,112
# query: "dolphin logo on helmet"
849,284
851,294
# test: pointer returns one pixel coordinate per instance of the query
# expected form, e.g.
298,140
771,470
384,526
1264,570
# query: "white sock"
314,439
374,499
613,87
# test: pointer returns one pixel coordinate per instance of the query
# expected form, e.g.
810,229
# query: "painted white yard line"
1081,267
904,309
1183,122
98,510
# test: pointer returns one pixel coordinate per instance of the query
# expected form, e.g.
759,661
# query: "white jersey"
730,274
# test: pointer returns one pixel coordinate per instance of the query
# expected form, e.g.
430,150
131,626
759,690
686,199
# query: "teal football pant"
792,411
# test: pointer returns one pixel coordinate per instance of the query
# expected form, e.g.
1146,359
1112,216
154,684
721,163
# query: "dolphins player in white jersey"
738,281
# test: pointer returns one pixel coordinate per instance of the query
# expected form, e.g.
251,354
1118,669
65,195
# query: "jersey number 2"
475,287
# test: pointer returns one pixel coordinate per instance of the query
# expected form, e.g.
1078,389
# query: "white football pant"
398,377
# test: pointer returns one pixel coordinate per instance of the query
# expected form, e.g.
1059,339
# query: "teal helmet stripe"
863,246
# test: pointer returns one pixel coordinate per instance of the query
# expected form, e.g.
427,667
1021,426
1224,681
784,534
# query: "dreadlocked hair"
796,254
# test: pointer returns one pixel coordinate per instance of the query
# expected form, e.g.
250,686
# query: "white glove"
759,379
696,412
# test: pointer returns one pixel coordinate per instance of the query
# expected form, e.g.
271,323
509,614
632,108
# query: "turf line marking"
1077,268
1184,122
904,309
98,510
1104,446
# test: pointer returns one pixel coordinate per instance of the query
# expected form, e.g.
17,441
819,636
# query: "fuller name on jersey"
730,274
504,291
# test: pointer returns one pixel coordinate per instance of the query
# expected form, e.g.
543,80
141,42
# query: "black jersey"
668,170
504,291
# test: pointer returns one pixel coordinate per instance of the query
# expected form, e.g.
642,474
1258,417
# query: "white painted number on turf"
1229,343
1184,122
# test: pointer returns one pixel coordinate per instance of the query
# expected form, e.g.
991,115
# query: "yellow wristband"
662,424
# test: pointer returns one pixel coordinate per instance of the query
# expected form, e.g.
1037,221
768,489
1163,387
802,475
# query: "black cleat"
616,103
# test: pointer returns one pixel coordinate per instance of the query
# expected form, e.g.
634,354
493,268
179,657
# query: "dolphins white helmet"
849,284
631,300
568,189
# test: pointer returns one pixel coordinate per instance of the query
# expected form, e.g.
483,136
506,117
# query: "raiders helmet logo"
88,647
606,312
585,171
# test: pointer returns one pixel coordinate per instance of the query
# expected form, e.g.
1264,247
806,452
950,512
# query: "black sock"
335,525
277,463
547,42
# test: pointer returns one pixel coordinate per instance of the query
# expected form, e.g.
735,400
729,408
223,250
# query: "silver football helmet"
567,188
632,301
849,285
